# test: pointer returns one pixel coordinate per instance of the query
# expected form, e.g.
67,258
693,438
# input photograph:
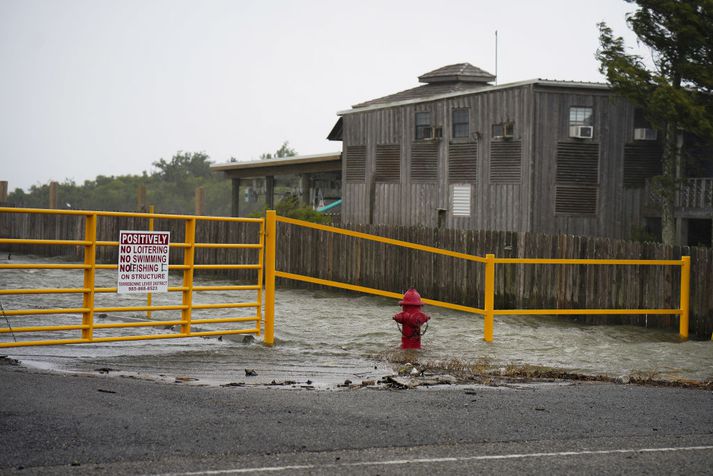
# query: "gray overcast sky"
91,87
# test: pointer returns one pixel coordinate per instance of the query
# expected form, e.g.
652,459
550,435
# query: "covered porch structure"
315,179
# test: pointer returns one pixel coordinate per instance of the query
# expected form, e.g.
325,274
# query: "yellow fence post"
685,293
270,230
189,261
90,255
489,297
149,296
260,278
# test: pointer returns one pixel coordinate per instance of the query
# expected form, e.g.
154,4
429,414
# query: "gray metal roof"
464,72
425,91
434,92
290,165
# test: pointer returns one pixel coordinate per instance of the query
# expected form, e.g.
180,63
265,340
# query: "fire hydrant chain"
421,333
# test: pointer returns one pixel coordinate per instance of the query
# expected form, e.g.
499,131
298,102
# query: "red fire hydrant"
411,319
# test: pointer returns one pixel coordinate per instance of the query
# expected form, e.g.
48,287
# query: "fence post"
149,297
141,198
52,195
270,230
188,260
685,293
199,200
489,296
90,254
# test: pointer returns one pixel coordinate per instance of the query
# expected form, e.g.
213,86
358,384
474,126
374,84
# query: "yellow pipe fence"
490,262
88,310
267,251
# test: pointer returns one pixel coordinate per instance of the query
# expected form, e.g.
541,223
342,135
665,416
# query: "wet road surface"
59,424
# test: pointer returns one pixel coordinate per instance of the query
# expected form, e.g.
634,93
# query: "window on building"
581,122
642,127
503,130
461,123
423,125
580,116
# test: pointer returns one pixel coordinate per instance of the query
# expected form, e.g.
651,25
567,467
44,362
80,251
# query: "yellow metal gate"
88,328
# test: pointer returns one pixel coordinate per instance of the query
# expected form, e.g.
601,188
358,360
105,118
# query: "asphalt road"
59,424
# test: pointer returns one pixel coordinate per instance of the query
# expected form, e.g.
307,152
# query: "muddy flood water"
325,337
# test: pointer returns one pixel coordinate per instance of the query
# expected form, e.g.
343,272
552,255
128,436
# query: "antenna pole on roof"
496,57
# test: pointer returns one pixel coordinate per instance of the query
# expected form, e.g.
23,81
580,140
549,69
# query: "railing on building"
694,194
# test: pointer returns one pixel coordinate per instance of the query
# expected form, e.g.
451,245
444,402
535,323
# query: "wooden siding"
576,200
357,207
413,202
618,210
387,204
500,200
425,194
500,206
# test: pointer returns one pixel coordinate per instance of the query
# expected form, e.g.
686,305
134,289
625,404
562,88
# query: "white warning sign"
143,261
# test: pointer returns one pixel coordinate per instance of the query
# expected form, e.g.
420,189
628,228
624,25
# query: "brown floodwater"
326,337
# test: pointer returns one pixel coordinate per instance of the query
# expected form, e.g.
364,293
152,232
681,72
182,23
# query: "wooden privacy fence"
517,286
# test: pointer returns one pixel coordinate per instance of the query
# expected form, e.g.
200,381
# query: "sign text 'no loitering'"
143,261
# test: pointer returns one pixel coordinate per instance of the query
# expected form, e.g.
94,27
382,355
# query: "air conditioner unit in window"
508,131
426,133
581,132
431,133
645,134
503,131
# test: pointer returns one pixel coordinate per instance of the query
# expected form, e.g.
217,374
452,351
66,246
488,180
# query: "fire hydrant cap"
411,298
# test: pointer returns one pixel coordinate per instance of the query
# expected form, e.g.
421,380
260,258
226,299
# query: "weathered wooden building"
540,155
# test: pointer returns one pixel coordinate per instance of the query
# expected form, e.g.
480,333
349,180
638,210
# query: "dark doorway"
699,232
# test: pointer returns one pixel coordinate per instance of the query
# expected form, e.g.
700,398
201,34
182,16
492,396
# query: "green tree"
184,165
284,151
171,188
291,207
676,93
